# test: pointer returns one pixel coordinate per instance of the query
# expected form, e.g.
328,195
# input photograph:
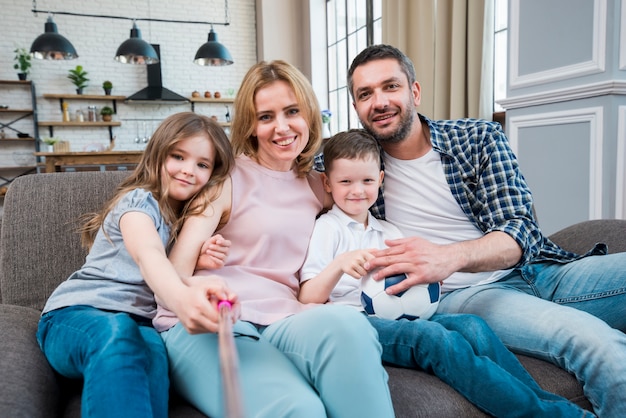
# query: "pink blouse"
271,222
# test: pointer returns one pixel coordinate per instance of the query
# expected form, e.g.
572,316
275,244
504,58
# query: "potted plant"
78,76
22,63
107,113
50,143
107,86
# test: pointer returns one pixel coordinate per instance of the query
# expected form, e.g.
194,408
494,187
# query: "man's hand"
425,262
421,260
213,253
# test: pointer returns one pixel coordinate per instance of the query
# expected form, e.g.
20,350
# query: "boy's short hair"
352,144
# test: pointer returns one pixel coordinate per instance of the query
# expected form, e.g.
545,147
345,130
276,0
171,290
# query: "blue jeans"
324,361
573,315
123,363
465,353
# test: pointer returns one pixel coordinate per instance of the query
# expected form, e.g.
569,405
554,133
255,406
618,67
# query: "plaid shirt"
485,180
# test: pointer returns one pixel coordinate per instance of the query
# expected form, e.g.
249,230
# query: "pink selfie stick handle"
229,362
225,303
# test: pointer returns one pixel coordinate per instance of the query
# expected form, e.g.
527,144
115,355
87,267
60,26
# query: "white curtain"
451,45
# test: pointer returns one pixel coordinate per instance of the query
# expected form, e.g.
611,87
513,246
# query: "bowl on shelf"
23,135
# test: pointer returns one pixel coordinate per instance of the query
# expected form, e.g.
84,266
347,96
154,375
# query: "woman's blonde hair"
148,174
244,123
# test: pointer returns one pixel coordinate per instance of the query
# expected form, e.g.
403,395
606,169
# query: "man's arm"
425,262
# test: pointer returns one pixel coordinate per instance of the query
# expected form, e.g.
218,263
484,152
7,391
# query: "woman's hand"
213,253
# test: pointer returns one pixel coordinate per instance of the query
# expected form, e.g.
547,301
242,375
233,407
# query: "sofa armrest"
28,385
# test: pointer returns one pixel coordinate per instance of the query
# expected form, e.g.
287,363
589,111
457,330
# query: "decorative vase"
49,148
326,131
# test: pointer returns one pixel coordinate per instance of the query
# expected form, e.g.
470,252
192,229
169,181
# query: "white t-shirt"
419,202
336,233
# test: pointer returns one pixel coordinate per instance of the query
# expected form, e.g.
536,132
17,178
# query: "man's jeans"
582,332
123,362
465,353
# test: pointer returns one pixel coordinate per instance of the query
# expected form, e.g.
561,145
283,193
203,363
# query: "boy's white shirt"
336,233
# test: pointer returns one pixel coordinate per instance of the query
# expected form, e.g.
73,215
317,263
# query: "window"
500,53
352,25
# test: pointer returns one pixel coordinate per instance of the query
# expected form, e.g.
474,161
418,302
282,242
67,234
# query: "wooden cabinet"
86,123
18,130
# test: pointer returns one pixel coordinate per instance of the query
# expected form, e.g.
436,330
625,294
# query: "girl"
97,324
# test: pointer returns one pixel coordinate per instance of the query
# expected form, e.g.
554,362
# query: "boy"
457,347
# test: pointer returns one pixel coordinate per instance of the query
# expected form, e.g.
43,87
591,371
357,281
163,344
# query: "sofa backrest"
39,245
582,236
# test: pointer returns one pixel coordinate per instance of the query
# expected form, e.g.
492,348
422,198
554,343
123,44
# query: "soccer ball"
419,301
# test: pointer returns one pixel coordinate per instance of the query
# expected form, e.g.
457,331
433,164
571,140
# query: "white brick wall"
96,41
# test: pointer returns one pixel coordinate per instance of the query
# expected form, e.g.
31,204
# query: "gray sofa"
39,248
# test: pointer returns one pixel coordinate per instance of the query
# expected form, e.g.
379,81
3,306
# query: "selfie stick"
229,362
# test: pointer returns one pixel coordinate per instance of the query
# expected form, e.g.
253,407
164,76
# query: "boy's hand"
352,262
213,253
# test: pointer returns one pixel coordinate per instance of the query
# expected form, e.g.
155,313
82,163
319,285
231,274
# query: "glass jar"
92,115
79,116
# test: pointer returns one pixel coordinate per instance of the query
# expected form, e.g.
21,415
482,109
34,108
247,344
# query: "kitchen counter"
56,160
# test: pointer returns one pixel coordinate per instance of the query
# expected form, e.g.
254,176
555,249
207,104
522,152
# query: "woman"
300,360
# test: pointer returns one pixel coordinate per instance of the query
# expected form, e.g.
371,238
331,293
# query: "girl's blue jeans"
573,315
122,361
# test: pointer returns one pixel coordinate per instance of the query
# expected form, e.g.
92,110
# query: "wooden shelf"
11,110
212,100
16,82
17,139
14,115
82,97
79,124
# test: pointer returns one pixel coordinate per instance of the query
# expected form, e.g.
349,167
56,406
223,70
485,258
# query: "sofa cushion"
28,384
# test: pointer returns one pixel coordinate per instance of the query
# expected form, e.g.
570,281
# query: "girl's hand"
197,305
213,253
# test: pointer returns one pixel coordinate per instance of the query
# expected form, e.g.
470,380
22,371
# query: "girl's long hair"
149,173
259,76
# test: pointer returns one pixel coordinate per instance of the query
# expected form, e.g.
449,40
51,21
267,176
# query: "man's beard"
406,122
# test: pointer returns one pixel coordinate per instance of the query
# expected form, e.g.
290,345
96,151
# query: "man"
454,188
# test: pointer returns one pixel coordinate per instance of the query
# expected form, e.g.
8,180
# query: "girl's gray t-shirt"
110,279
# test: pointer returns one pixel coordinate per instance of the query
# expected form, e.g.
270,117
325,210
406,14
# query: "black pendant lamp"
213,52
50,45
135,50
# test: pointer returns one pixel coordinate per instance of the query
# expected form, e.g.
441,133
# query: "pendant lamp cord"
148,19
